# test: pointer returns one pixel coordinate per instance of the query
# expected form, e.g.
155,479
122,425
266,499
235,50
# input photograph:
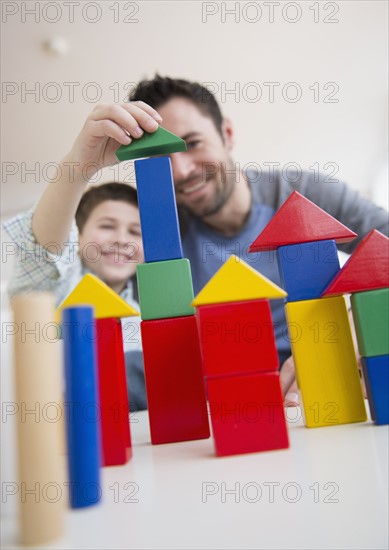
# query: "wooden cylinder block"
43,494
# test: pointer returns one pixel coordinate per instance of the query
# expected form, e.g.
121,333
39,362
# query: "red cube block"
237,338
174,380
115,423
247,414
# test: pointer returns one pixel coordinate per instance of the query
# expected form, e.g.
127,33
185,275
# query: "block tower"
366,276
109,307
240,360
305,238
171,349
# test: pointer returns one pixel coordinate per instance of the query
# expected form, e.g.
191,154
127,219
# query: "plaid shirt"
39,268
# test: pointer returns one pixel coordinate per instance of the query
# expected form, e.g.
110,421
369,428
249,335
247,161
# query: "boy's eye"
106,226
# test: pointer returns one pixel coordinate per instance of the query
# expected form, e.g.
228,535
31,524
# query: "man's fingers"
143,118
149,110
130,117
288,384
108,128
292,398
287,375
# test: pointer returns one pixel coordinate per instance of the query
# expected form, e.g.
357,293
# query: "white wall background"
334,52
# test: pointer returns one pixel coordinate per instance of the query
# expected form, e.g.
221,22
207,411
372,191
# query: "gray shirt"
207,250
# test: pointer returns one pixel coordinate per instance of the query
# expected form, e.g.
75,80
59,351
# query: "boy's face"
111,242
203,175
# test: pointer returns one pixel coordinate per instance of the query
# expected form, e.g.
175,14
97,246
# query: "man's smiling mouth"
188,189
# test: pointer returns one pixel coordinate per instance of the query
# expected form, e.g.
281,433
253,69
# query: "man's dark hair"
98,194
161,89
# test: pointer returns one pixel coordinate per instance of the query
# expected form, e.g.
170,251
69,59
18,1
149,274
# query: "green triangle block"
160,142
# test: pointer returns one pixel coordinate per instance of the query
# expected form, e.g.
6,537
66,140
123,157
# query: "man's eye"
192,144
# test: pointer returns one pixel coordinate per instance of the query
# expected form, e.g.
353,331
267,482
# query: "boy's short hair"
161,89
106,192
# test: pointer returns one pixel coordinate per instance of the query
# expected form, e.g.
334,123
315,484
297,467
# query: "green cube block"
371,318
165,289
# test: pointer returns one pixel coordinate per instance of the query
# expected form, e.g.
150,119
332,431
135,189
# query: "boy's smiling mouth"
115,257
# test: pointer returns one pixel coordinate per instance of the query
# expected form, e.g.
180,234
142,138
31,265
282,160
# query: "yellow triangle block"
236,281
92,291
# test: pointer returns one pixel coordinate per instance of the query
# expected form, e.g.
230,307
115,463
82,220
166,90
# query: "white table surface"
163,497
169,506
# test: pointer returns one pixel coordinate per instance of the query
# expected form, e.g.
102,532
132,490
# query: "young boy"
105,240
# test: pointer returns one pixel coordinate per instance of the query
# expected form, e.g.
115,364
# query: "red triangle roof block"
366,269
299,220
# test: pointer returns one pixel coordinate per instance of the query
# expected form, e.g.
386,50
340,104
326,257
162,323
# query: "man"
223,210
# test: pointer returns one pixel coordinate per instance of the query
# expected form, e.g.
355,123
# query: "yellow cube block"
325,362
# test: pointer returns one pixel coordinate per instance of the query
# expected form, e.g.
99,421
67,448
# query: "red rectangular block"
174,380
237,338
247,414
115,423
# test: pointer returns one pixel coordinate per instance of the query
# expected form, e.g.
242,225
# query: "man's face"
110,244
201,182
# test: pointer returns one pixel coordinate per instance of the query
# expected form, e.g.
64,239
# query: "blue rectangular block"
306,269
83,427
158,210
376,374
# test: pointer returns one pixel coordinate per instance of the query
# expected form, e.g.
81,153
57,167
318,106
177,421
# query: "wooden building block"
325,362
237,338
376,374
299,220
38,387
160,142
247,413
366,269
165,289
307,268
115,423
158,210
236,281
371,318
83,427
174,380
105,301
